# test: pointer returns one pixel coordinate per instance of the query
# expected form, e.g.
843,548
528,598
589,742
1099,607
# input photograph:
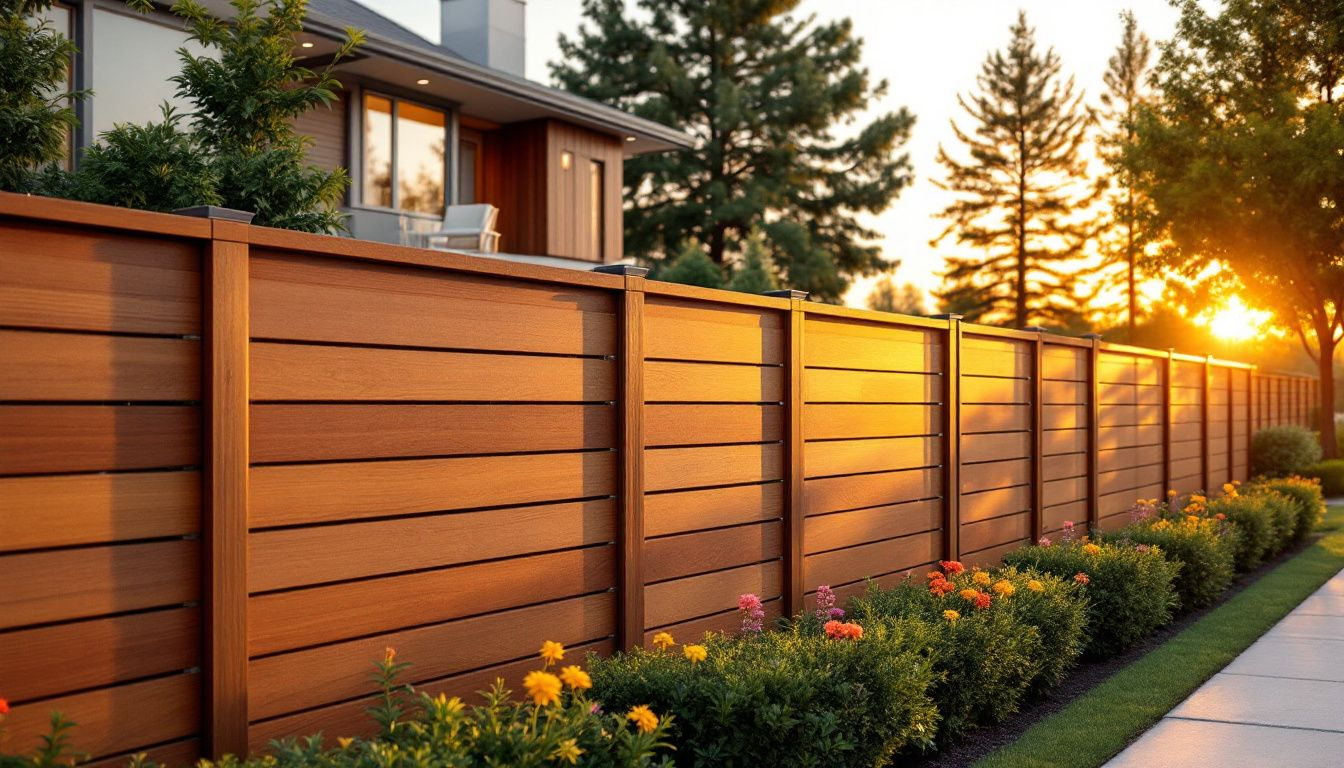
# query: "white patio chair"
468,227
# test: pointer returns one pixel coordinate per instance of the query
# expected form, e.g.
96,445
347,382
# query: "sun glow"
1237,322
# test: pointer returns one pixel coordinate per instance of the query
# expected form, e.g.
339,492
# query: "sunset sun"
1237,322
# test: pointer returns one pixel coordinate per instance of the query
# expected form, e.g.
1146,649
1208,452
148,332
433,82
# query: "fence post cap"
622,269
1035,328
216,212
947,316
787,293
1093,336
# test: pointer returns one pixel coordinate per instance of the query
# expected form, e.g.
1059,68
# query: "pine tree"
1125,232
690,267
768,98
1020,192
36,114
904,299
756,273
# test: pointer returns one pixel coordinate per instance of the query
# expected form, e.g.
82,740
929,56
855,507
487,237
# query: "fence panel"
237,463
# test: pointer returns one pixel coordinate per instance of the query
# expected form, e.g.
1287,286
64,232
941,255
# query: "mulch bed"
980,743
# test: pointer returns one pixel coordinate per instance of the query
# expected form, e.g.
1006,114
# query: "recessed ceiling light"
422,81
629,138
306,45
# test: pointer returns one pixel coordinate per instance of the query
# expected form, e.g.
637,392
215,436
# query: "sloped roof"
362,17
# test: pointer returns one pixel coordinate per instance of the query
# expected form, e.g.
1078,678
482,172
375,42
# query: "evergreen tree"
1243,159
1020,192
1126,234
756,273
906,299
691,267
767,97
36,113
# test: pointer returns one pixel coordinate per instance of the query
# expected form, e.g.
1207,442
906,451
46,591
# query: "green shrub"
1129,590
984,660
36,114
1254,520
153,167
1308,498
788,698
1284,450
1204,547
417,729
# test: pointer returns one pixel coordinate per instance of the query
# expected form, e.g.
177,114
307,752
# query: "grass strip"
1100,723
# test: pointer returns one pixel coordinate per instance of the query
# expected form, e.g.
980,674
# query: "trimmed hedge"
1330,474
1204,548
1284,450
1308,497
1254,519
794,697
1129,590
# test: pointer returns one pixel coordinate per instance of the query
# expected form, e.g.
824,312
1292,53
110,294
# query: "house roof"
399,55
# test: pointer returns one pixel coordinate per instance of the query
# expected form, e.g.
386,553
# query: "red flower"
942,587
843,630
951,566
1081,578
982,601
4,707
934,575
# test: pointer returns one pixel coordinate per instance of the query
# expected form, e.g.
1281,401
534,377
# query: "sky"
928,51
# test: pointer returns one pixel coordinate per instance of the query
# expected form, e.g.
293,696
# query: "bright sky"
927,50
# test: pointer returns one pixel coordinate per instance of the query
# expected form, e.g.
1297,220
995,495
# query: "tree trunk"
1325,419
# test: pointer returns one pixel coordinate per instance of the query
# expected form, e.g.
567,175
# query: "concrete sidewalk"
1280,703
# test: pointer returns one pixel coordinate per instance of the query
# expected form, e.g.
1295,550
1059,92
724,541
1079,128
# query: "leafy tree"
1125,232
764,95
245,103
756,273
1243,158
36,111
1019,191
905,299
154,167
692,266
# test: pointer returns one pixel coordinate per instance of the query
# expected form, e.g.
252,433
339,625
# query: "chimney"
488,32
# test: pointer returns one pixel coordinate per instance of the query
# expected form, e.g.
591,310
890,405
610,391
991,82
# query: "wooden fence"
237,463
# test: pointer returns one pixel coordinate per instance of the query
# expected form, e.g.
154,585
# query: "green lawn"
1098,724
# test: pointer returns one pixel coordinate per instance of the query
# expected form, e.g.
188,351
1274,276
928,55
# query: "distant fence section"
237,463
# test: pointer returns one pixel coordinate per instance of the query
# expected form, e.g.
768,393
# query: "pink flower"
826,603
1044,541
1069,533
1141,548
753,615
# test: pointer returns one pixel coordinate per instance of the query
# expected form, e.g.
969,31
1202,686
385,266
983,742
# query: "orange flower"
543,687
981,578
1035,586
389,655
4,707
843,630
942,587
1092,549
982,600
951,615
951,566
1081,578
1220,516
969,595
643,718
1004,587
576,678
552,652
934,576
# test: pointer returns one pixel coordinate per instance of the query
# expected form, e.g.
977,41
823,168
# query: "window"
596,222
59,19
403,163
135,57
468,159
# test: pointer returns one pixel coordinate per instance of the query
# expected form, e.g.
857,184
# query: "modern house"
422,127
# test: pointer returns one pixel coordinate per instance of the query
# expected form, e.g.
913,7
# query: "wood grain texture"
667,469
834,494
60,511
846,529
689,554
682,330
81,438
844,457
670,602
310,493
672,382
68,366
712,423
853,345
681,511
846,566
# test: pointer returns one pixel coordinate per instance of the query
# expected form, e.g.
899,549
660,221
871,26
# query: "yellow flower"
1092,549
1230,489
543,687
969,594
696,653
576,678
663,640
1161,525
552,652
951,615
1192,519
981,578
1004,587
344,741
568,751
1198,499
643,718
1171,493
1035,586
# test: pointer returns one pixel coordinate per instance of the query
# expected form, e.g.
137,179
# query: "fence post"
951,428
225,505
1166,422
630,523
1037,433
1204,412
1231,421
1093,431
794,588
1252,413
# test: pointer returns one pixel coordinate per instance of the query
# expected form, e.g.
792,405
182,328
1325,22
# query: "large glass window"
135,57
468,156
403,163
59,19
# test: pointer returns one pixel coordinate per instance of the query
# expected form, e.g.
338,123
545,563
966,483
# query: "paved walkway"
1280,703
